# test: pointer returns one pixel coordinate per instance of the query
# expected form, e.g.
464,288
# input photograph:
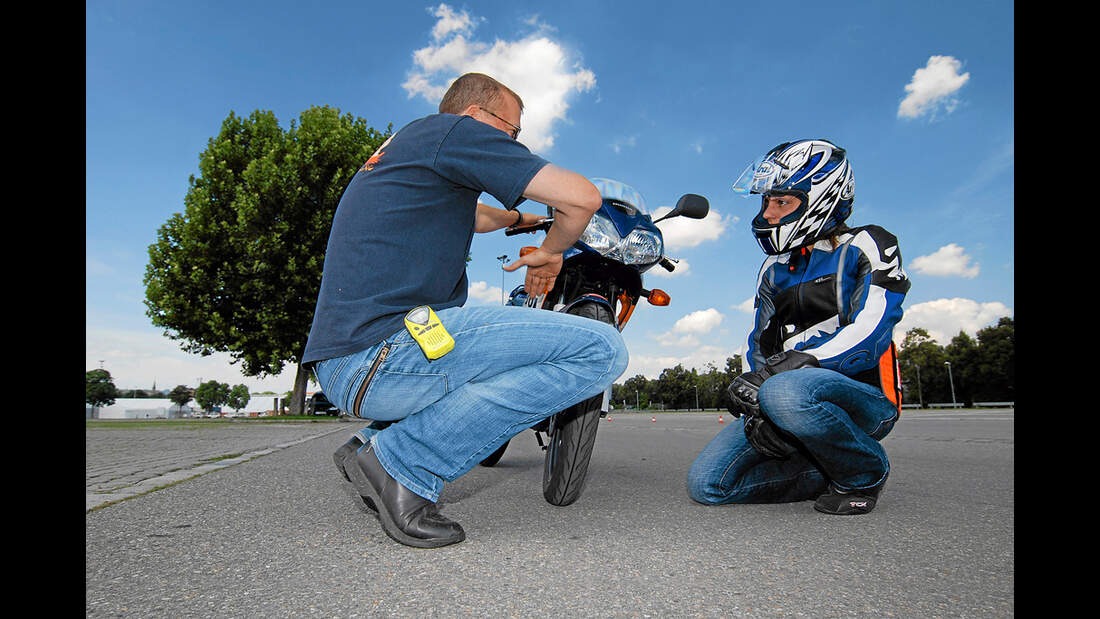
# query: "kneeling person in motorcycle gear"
821,388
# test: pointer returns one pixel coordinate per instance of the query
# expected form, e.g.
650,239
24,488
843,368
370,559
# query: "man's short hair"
474,89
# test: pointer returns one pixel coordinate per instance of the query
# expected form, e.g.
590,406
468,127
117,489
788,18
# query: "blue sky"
668,97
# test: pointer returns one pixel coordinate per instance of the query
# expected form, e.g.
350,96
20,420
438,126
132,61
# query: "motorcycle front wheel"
573,435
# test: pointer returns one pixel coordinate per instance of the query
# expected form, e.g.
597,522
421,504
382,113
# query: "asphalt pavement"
280,533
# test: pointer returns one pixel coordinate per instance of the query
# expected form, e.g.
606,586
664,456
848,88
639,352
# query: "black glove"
765,438
744,392
745,389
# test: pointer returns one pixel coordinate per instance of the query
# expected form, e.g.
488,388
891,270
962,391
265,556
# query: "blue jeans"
838,423
511,367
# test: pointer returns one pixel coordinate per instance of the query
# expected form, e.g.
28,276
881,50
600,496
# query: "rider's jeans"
510,368
837,420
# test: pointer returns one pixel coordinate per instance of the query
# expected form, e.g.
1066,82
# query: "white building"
163,408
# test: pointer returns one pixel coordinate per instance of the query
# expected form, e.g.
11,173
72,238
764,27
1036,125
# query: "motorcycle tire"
496,455
573,435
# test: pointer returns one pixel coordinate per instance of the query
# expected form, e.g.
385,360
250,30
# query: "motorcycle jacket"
837,300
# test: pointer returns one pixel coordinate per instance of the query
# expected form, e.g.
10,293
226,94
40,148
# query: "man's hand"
542,270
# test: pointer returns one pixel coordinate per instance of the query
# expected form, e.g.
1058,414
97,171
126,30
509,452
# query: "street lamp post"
919,396
502,259
951,380
696,397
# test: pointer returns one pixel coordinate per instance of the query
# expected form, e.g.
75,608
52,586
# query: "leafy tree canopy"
99,389
239,270
211,394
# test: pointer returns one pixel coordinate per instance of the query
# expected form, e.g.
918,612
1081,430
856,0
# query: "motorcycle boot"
406,517
343,452
848,502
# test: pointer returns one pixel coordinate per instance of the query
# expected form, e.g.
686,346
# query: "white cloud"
682,233
688,340
949,260
687,329
540,70
700,322
136,359
483,292
450,22
944,318
932,87
746,306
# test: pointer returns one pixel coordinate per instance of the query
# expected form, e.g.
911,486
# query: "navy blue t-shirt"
404,225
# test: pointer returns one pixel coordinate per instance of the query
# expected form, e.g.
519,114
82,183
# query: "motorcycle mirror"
690,205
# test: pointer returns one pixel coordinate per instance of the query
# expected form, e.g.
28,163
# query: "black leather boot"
848,502
406,517
343,452
347,450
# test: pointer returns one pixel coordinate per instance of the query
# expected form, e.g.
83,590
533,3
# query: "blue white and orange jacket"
839,304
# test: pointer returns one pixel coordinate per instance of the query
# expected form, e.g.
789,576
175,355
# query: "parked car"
318,404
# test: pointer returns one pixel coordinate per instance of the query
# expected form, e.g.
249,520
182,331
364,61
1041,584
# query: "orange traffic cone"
654,420
720,419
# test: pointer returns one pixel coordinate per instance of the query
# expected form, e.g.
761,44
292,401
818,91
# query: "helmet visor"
760,176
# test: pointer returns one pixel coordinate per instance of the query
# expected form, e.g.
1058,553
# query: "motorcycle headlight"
600,234
639,247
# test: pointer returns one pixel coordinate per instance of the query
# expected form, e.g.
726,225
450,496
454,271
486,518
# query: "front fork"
547,425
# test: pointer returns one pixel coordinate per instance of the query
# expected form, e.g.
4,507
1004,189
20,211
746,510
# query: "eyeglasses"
515,129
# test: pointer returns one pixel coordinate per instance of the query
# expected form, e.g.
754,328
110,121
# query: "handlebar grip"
667,264
542,225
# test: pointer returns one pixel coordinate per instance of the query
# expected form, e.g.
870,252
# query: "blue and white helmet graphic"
816,171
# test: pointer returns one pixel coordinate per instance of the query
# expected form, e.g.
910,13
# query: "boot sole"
389,525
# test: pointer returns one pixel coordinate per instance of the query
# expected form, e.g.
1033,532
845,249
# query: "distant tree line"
983,369
100,390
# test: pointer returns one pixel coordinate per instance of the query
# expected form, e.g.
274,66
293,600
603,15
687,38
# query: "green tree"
996,375
923,374
181,395
211,394
634,392
675,387
963,354
240,269
238,398
712,386
99,389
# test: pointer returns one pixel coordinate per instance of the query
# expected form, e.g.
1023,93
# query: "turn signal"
659,297
526,250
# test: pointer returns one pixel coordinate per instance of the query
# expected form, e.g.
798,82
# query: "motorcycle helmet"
818,172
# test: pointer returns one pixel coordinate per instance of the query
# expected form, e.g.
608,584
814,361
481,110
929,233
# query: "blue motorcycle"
601,279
